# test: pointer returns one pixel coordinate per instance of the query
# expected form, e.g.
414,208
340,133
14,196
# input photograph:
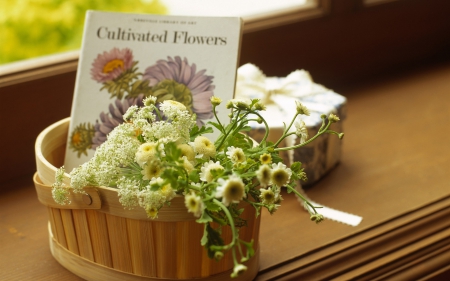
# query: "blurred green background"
32,28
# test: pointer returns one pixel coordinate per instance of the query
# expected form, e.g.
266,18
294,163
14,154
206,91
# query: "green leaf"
211,237
205,218
218,127
211,206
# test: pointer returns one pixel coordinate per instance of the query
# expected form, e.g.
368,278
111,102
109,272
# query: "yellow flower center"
111,65
76,138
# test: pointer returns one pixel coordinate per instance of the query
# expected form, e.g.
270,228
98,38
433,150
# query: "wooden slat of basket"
120,251
83,236
188,239
69,231
166,249
51,220
98,231
148,248
135,239
59,226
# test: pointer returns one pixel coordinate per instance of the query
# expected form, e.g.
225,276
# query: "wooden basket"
97,239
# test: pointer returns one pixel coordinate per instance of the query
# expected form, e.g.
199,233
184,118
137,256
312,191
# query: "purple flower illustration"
175,79
108,121
110,65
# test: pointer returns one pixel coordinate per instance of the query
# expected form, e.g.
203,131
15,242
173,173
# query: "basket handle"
89,200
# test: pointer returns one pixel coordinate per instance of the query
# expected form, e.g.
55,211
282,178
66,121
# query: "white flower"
202,145
167,191
152,169
236,154
280,174
301,130
194,204
231,190
267,196
238,270
264,175
301,109
187,150
147,151
206,174
187,165
172,109
151,201
150,100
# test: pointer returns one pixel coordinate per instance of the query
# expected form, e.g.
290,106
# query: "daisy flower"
194,204
110,65
280,174
152,170
147,151
263,175
236,154
231,190
206,174
301,109
301,130
267,196
175,79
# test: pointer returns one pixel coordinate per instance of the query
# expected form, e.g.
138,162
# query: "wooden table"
394,172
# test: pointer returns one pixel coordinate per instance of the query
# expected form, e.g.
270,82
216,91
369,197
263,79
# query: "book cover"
127,57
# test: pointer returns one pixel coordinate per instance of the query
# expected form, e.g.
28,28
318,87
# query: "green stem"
306,142
230,220
227,133
217,118
286,130
265,124
303,198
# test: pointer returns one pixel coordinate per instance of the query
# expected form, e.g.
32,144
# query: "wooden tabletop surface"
394,172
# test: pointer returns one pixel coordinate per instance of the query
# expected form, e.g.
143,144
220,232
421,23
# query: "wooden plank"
98,230
83,236
69,231
118,239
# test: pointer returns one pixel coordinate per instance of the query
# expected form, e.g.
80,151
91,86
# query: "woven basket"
97,239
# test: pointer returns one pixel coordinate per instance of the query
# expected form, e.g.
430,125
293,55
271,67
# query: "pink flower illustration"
177,80
110,65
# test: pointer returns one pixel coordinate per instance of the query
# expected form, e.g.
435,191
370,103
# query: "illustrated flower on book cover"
171,79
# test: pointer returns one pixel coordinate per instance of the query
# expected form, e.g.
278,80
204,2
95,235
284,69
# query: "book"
127,57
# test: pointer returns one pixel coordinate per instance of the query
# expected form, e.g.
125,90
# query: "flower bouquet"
159,153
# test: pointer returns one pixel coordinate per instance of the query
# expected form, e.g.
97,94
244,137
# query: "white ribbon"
252,83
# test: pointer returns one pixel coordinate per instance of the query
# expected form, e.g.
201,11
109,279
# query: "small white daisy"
231,190
280,174
264,175
301,109
267,196
236,154
206,174
152,170
301,130
194,204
